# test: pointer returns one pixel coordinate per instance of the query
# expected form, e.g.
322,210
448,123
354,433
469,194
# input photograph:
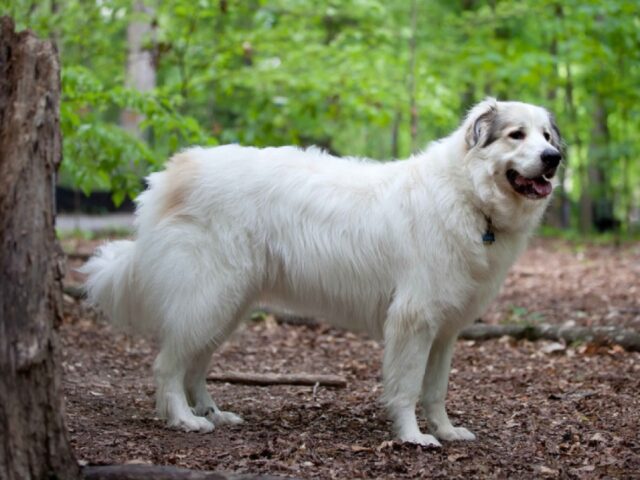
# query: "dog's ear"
556,137
480,122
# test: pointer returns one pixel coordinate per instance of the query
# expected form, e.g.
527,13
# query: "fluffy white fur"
392,249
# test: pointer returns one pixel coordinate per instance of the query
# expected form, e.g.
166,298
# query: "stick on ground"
279,379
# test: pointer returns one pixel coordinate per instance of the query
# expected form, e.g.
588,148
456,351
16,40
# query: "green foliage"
72,236
100,154
349,75
522,316
579,240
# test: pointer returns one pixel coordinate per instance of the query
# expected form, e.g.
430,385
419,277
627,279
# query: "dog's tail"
110,284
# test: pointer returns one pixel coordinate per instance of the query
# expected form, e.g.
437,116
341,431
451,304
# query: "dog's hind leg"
205,318
181,367
199,397
171,400
407,344
201,284
434,390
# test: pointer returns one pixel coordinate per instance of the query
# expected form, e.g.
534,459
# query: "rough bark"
33,441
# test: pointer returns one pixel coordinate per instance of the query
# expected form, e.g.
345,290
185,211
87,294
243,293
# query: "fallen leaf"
544,470
553,348
358,448
455,457
384,445
586,468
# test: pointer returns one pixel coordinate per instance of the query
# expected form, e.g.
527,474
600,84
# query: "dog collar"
489,236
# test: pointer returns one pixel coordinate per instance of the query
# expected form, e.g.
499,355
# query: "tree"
34,443
141,73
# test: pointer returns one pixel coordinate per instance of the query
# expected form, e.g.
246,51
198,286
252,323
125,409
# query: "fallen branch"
279,379
148,472
78,256
600,335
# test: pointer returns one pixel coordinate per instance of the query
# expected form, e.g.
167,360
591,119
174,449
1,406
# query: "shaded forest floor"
571,412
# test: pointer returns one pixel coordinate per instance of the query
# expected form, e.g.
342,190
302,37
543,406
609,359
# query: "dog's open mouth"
534,188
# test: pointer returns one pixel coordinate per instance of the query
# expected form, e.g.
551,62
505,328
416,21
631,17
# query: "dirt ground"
538,412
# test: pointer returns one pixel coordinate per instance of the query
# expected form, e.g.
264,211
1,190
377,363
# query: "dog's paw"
455,433
218,417
226,418
423,439
192,424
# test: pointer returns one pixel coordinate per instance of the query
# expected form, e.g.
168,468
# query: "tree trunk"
584,218
411,77
559,210
395,134
33,441
141,73
598,188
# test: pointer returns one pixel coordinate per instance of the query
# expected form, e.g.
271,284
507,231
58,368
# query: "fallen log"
147,472
78,256
278,379
600,335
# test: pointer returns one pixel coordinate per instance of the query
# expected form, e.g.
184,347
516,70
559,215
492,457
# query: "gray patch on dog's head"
482,123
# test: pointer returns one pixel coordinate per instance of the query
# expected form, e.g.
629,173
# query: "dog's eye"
546,135
517,135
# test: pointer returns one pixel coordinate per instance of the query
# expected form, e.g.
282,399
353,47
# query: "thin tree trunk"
585,215
558,212
395,132
141,73
411,83
598,200
467,99
594,206
33,443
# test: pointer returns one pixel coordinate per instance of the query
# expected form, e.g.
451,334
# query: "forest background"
142,79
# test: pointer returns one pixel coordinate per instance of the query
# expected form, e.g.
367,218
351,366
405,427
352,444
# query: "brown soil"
570,414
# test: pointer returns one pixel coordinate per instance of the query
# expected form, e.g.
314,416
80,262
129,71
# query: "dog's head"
519,143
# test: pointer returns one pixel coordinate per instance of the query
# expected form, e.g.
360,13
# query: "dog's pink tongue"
541,186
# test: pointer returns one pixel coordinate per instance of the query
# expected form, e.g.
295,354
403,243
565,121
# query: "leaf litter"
538,409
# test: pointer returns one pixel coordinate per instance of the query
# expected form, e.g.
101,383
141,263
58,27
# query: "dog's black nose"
550,158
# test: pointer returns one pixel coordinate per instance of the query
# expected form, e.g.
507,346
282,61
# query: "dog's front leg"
434,390
405,358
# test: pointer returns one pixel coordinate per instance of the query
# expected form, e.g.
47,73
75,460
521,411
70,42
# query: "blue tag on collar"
488,237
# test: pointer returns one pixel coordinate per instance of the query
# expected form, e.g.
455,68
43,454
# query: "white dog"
407,251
